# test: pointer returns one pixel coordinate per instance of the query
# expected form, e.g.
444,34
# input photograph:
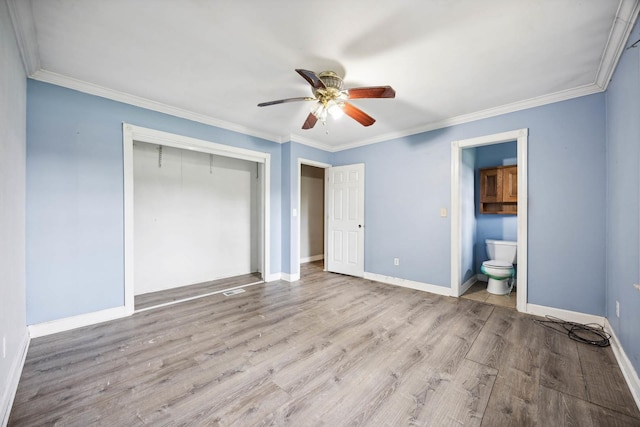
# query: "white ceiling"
450,61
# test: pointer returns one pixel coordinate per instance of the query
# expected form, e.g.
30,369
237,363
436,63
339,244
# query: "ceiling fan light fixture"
335,109
333,99
320,111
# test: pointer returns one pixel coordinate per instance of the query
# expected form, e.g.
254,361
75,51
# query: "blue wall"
74,220
74,199
408,181
493,226
623,200
292,152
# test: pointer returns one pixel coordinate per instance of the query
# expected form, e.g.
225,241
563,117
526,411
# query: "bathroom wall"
468,222
492,226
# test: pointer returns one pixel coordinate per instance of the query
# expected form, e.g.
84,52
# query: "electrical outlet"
617,308
443,212
396,261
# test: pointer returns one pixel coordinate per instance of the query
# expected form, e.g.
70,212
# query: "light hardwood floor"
328,350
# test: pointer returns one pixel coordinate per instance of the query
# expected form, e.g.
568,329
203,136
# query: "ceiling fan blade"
282,101
310,122
358,115
371,92
312,78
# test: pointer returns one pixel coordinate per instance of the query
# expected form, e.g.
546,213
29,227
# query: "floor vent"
233,292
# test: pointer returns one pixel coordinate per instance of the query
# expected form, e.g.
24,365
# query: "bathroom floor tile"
478,292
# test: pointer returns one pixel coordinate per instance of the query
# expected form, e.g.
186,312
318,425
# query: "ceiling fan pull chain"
160,156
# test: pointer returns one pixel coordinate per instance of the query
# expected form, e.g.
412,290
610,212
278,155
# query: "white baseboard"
11,386
571,316
273,277
291,277
311,258
68,323
628,371
434,289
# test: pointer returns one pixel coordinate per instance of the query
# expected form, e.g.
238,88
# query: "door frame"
522,138
131,133
321,165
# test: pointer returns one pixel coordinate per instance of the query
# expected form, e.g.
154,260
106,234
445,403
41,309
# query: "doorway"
312,209
459,207
235,160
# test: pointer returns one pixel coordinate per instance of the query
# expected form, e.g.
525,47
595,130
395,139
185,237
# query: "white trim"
628,371
132,133
622,26
302,161
521,136
11,386
420,286
68,323
104,92
312,143
294,277
273,277
571,316
24,27
311,258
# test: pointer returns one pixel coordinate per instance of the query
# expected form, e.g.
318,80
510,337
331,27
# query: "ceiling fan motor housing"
333,87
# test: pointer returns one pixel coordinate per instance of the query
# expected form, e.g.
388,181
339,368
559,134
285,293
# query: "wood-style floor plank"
329,350
152,299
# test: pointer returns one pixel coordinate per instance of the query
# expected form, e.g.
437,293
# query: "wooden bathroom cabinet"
499,190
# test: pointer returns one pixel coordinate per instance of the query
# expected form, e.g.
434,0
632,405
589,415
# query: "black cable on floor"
589,333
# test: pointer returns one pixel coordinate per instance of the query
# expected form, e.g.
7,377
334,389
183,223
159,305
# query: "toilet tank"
502,250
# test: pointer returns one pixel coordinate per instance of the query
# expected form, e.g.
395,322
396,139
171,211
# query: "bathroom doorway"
463,262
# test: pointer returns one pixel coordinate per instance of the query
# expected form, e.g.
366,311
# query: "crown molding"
622,26
24,27
103,92
484,114
312,143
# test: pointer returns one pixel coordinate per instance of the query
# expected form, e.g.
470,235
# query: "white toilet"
499,268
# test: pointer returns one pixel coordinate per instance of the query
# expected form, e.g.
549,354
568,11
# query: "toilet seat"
492,263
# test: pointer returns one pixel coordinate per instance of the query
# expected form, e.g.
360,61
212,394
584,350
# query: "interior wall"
493,226
292,152
623,200
194,217
467,213
409,180
75,196
311,213
13,325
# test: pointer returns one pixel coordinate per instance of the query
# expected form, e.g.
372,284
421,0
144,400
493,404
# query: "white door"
345,219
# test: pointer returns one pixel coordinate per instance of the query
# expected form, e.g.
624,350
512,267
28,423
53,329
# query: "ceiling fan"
331,98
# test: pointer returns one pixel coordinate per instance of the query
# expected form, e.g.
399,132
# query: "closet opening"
195,218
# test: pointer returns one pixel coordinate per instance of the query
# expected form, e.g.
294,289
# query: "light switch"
295,212
443,212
